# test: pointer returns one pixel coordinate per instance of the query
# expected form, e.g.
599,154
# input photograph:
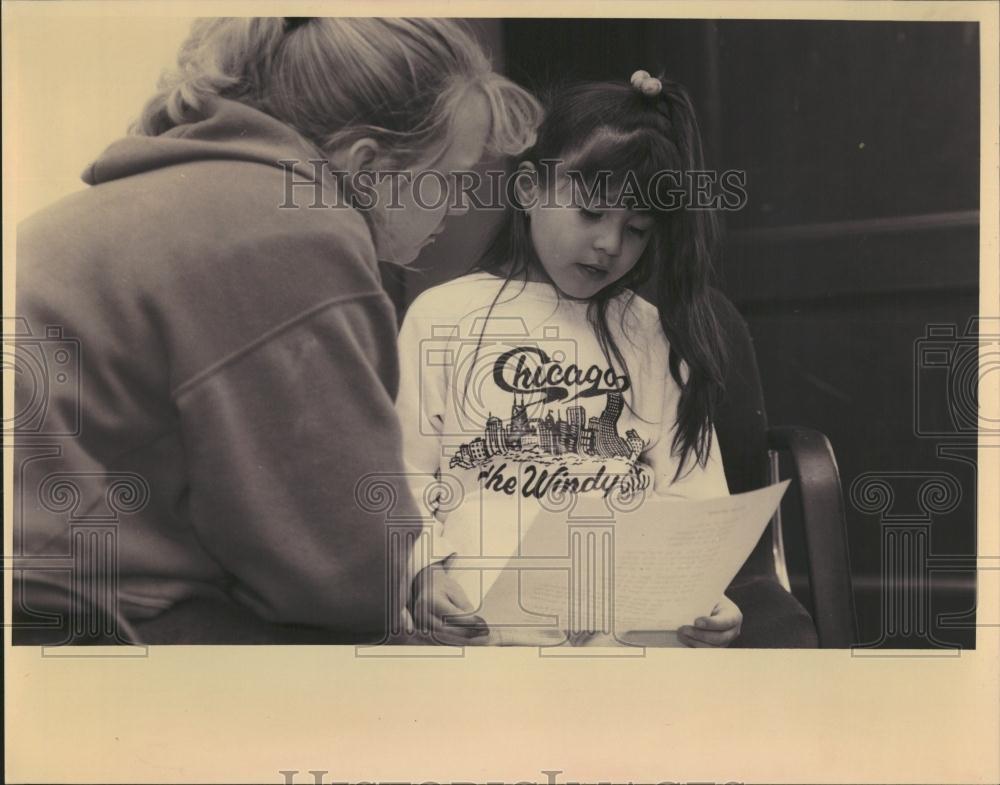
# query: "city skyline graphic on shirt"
551,439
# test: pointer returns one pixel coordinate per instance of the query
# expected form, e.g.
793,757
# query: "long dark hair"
594,127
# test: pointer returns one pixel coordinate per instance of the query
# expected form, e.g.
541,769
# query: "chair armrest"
825,529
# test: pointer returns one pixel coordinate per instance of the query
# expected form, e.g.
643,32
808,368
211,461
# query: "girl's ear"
526,186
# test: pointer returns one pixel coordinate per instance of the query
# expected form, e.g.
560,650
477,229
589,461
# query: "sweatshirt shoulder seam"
189,384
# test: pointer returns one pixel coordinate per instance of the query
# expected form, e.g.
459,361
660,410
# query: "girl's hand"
719,629
441,609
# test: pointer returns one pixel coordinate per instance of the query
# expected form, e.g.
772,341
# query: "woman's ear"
526,187
360,156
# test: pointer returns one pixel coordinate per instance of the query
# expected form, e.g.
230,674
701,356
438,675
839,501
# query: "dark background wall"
861,145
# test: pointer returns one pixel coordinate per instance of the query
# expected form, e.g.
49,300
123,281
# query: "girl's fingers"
692,643
714,622
725,615
718,624
707,637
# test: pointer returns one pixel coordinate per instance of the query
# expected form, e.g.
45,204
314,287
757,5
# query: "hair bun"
648,85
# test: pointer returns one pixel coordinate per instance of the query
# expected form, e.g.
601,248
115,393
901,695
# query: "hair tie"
648,85
295,22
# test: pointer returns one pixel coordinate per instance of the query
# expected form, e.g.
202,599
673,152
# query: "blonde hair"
336,80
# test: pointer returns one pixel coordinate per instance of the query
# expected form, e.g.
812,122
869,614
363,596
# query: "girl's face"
584,249
423,202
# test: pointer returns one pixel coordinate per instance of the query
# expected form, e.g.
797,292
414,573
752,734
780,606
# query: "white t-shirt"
509,403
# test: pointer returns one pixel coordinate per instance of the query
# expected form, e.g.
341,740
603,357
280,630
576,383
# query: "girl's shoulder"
636,314
637,305
636,326
482,294
457,296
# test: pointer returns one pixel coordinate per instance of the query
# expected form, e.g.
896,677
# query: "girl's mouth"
592,271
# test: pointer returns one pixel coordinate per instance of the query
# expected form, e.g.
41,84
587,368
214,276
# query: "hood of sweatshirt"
221,130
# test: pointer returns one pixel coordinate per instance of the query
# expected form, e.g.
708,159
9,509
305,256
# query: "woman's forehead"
465,143
470,131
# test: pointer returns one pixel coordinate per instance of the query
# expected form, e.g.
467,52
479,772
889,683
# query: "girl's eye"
639,231
590,215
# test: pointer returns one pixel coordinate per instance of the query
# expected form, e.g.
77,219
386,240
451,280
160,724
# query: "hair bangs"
617,165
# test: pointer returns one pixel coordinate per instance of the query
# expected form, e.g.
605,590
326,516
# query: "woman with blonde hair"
237,352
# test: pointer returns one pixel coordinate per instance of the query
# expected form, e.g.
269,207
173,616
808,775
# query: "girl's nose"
609,240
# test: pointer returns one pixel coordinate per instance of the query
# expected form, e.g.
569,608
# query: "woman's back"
206,320
236,351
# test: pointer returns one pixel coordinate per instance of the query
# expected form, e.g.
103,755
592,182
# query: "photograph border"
249,713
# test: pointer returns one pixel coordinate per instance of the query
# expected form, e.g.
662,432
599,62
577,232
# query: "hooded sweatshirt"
221,368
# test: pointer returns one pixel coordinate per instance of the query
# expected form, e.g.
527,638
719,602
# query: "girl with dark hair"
605,392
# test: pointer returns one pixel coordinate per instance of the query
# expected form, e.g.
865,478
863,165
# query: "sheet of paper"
655,568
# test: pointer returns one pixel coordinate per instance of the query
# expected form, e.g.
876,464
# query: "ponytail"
221,57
